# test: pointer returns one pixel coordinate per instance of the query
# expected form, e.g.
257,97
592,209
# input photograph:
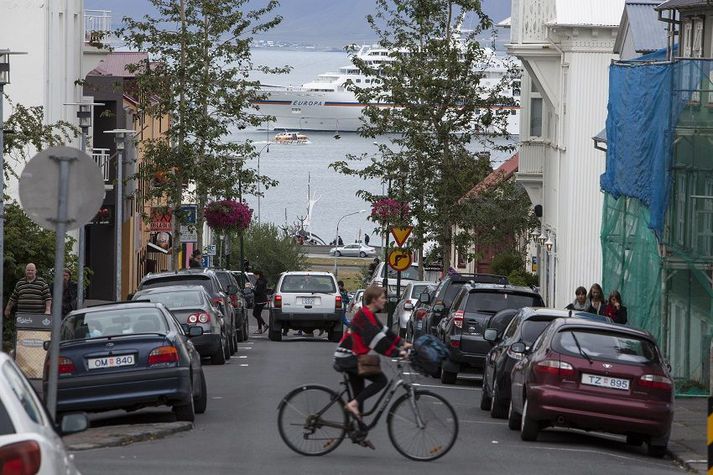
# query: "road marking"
244,364
438,386
246,347
242,357
590,451
217,397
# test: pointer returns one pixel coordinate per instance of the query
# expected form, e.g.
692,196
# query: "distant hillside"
322,22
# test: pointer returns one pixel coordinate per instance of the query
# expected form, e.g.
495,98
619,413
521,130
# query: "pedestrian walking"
31,294
596,300
615,309
366,239
580,303
345,301
69,294
260,290
340,241
196,260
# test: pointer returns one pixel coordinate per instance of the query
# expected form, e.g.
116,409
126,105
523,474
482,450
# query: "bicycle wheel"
423,429
312,420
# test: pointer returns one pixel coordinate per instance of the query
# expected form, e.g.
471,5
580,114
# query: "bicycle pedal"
368,444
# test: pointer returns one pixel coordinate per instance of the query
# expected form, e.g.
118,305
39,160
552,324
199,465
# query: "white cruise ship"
326,105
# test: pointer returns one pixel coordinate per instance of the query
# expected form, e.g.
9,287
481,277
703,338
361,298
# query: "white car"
356,303
306,301
353,250
27,435
407,276
405,306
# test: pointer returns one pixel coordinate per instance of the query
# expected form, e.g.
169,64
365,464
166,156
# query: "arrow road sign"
401,234
399,260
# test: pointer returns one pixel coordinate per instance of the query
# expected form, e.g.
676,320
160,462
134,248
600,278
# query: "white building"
59,55
565,47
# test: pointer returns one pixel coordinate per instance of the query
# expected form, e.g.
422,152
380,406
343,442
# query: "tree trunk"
177,197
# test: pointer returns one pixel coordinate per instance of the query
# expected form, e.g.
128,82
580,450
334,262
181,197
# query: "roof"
589,12
115,64
675,4
614,327
640,22
600,140
504,172
169,288
500,288
116,305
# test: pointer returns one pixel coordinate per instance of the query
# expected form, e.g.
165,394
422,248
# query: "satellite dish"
39,187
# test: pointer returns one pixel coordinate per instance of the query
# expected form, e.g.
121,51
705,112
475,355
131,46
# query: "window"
308,283
697,42
516,88
458,300
687,28
484,301
532,329
512,328
611,346
174,299
24,393
126,321
296,110
536,117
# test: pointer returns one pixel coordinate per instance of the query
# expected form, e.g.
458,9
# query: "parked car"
191,305
249,281
356,249
356,302
377,278
593,376
29,441
525,326
415,324
237,299
447,290
129,355
219,296
306,301
409,298
462,331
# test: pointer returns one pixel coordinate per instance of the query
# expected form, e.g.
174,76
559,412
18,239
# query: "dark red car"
596,377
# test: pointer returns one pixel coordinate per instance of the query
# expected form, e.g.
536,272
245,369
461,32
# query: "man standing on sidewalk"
31,294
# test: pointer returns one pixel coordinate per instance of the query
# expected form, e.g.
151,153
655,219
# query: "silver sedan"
404,308
353,250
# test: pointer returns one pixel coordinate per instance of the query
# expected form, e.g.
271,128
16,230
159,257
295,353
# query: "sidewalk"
688,434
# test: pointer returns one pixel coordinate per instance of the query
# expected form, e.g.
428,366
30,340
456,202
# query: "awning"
600,140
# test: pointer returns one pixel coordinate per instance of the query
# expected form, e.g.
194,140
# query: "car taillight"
200,317
163,355
277,301
652,381
458,319
455,343
420,314
66,366
20,458
555,367
338,302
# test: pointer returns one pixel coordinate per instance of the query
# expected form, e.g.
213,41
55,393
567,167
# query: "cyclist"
367,333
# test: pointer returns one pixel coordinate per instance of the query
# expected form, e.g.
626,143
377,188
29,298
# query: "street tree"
198,75
430,93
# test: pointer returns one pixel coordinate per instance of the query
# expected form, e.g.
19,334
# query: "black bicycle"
422,425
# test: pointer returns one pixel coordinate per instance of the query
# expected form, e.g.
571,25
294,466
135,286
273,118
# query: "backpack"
428,354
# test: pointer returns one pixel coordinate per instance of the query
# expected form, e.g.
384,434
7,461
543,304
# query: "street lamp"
542,238
4,79
534,235
549,244
120,141
336,237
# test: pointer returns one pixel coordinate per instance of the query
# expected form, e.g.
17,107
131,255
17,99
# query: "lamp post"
4,80
336,237
120,141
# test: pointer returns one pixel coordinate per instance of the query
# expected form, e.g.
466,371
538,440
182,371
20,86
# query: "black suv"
207,279
237,299
446,292
463,330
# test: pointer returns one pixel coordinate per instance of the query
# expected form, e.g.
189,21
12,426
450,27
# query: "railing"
529,20
102,159
532,158
97,25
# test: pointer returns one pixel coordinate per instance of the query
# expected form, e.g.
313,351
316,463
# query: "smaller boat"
291,138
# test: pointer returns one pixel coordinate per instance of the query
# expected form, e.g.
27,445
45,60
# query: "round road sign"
399,260
39,187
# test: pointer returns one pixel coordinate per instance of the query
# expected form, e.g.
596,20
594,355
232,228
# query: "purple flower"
228,215
389,209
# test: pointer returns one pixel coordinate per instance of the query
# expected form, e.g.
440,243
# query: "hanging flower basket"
389,210
228,215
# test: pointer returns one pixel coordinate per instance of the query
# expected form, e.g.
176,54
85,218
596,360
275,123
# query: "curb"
685,458
116,436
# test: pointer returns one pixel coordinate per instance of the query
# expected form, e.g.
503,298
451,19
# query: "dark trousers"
361,393
257,313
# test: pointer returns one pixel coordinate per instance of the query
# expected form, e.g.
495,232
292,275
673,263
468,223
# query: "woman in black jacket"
260,292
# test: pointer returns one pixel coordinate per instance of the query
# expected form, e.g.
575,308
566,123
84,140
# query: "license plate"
605,382
111,362
308,300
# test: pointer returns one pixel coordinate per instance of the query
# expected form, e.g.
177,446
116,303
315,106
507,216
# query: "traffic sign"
401,234
209,250
399,260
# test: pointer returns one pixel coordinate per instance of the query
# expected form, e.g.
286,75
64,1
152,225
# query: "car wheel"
513,418
185,412
274,334
334,336
338,254
233,343
219,357
201,402
484,398
362,254
448,377
657,451
498,409
246,328
634,440
226,346
529,428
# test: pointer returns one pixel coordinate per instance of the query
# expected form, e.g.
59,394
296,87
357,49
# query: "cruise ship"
326,104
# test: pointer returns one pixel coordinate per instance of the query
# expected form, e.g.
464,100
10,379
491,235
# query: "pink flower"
228,215
389,209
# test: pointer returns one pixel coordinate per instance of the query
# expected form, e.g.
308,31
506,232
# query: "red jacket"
368,333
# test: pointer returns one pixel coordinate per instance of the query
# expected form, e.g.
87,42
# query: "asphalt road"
238,433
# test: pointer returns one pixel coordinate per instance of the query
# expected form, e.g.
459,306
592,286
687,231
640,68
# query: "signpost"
399,260
189,233
61,189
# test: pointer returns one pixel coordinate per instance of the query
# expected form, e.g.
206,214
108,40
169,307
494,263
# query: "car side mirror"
424,298
491,335
518,348
46,345
73,423
195,331
232,289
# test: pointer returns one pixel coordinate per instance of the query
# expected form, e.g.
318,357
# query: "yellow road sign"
401,234
399,260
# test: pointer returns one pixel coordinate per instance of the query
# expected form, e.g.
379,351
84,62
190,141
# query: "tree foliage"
431,94
270,251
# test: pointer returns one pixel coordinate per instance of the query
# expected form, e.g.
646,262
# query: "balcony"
97,26
530,19
103,160
530,169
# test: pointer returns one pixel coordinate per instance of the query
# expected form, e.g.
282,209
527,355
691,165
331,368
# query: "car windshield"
493,302
308,283
409,274
451,293
532,329
604,345
125,321
224,279
179,279
418,290
175,299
